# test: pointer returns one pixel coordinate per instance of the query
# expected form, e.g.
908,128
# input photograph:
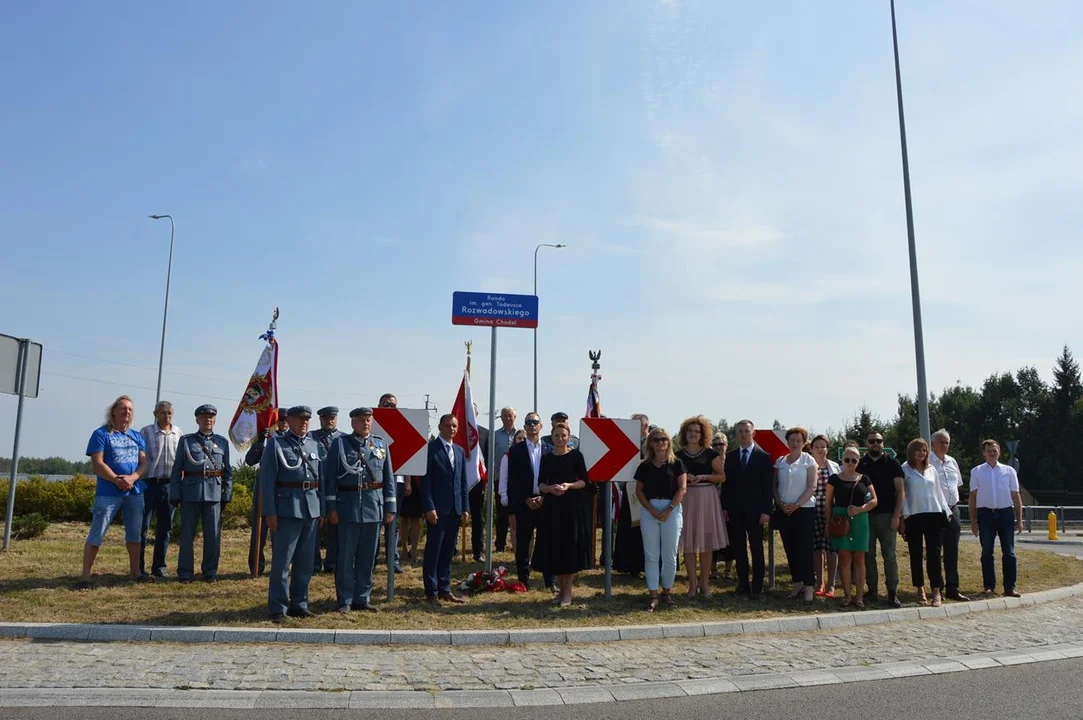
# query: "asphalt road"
1050,690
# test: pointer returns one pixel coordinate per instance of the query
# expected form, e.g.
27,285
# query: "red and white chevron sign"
407,433
610,447
772,442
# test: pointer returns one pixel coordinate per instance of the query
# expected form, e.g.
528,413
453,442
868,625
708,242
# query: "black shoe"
299,612
399,570
185,580
872,598
364,606
742,590
1012,593
478,558
956,595
278,618
160,572
210,579
893,600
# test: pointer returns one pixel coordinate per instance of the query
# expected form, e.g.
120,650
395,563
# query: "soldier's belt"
201,473
306,485
156,481
362,486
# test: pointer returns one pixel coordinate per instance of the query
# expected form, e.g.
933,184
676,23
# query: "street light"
165,313
539,247
915,297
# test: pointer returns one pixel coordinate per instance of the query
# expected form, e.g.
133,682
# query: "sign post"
493,310
20,373
610,448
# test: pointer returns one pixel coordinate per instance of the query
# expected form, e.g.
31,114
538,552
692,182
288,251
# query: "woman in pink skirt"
704,531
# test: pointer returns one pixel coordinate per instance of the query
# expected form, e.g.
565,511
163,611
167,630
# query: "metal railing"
1035,517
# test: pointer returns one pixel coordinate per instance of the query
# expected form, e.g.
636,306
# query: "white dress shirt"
161,449
535,452
923,492
994,485
951,477
793,479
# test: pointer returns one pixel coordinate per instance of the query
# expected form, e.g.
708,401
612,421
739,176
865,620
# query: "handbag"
839,525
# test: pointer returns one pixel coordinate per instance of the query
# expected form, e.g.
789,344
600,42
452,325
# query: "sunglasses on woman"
850,461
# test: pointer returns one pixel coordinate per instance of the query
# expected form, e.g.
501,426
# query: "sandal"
83,585
847,602
670,603
859,604
652,604
936,600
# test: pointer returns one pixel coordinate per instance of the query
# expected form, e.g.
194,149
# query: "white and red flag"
466,436
258,409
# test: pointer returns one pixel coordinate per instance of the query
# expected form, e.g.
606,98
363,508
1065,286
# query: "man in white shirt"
951,479
997,505
519,493
161,438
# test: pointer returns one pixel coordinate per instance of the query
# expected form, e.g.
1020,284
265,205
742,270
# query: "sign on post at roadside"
407,433
20,370
610,448
494,310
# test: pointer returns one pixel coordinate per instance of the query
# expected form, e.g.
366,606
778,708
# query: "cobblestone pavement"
39,664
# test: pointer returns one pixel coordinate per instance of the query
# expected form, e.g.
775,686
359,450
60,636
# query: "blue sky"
725,174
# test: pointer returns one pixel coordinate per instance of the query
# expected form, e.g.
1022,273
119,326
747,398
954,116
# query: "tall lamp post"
539,247
165,313
915,296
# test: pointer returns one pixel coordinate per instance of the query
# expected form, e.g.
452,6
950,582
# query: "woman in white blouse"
795,511
925,515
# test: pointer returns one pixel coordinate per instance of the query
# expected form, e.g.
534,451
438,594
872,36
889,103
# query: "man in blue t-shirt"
118,455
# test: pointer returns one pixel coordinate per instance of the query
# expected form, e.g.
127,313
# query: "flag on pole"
466,436
258,408
594,400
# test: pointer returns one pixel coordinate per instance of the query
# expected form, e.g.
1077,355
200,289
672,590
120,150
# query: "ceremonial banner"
258,409
466,436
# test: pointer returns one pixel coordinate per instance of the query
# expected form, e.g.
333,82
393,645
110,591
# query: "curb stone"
82,632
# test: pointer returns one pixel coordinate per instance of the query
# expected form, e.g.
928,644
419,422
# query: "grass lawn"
37,579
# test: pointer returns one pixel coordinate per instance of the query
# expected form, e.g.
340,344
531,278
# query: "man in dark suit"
746,499
519,493
445,502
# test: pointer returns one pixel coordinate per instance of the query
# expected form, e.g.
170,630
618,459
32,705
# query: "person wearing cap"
560,417
201,483
289,478
359,496
324,436
255,520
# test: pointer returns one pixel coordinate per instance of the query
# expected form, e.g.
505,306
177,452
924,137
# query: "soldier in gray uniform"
359,491
324,436
201,483
289,477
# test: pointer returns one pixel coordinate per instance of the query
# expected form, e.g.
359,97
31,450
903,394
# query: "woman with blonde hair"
703,531
661,482
850,497
925,517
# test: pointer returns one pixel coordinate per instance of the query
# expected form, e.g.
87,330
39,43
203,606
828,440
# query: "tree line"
1039,425
47,466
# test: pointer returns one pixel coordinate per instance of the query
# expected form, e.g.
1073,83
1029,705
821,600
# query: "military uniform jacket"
289,472
324,440
345,477
201,471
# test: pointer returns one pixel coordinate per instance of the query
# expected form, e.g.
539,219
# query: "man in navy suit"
445,500
746,498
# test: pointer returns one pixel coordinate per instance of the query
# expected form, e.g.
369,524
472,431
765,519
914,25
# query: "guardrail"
1035,516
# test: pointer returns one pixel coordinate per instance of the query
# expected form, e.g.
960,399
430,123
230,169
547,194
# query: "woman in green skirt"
850,494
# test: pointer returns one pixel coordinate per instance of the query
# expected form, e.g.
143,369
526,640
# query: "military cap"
558,416
299,411
329,410
206,409
360,411
283,412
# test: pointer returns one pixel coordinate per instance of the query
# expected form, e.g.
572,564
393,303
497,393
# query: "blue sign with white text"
494,310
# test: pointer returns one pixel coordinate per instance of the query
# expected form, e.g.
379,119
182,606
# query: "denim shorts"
106,508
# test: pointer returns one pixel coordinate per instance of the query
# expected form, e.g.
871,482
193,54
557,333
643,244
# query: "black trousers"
925,528
747,533
500,526
951,551
477,522
796,530
526,523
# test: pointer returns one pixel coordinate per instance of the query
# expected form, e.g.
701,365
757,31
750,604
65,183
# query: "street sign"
10,365
407,433
494,310
610,448
772,442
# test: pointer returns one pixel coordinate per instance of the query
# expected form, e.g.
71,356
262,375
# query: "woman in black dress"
564,534
410,518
